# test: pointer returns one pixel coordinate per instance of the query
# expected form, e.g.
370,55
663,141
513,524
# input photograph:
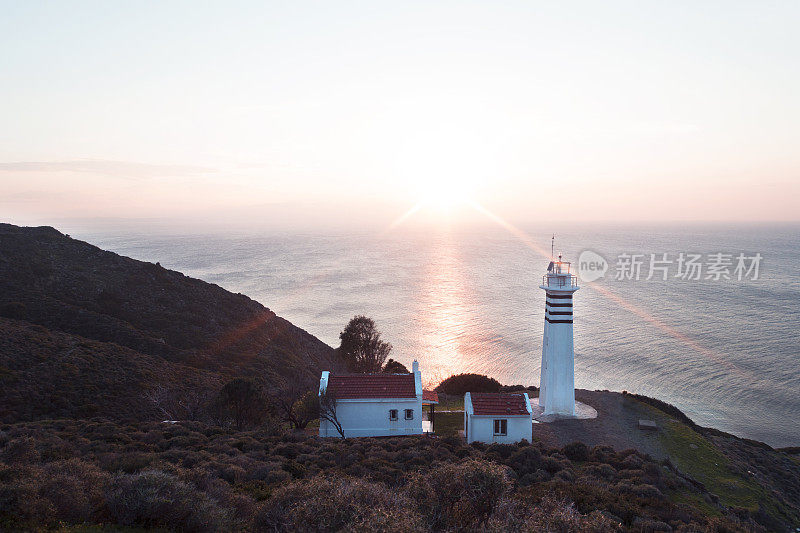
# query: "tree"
175,404
293,398
295,404
362,349
163,399
395,367
327,410
463,383
306,409
241,401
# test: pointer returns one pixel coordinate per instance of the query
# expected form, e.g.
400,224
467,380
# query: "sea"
721,341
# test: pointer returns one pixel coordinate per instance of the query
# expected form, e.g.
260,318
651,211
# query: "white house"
497,417
374,405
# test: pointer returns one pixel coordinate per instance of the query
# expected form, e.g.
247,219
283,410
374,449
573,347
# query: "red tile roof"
487,403
430,396
353,386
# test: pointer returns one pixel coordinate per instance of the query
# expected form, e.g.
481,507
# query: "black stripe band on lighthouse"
557,381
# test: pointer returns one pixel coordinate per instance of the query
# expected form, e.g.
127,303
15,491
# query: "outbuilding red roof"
487,403
353,386
430,396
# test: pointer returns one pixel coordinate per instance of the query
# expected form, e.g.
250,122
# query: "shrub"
156,499
602,471
464,383
21,506
554,464
521,388
395,367
74,489
126,472
526,462
242,401
550,514
460,496
647,524
501,452
20,451
576,451
328,504
127,462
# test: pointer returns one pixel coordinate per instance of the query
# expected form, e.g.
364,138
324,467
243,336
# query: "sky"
316,114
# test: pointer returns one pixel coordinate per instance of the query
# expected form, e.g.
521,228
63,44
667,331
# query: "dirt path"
616,425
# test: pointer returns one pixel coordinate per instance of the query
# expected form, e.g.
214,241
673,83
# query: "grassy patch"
448,402
695,500
448,424
709,466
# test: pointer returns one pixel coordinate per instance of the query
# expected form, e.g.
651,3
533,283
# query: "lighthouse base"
582,412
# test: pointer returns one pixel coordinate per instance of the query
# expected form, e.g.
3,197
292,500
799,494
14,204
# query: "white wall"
557,382
481,429
370,418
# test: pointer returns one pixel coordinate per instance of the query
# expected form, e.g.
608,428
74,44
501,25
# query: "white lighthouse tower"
557,385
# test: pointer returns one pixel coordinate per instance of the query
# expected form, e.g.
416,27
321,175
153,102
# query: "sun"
442,198
441,180
442,167
445,195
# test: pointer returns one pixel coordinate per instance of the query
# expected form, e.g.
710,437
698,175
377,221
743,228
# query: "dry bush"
21,450
68,492
156,499
208,475
576,451
21,505
528,464
460,496
601,471
75,489
332,504
550,514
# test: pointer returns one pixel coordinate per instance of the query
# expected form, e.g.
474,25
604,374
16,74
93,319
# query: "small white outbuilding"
374,405
497,417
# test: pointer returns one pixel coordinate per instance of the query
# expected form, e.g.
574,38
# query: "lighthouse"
557,385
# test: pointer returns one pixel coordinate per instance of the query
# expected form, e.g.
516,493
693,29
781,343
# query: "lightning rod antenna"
553,248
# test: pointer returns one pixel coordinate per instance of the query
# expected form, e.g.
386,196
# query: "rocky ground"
616,425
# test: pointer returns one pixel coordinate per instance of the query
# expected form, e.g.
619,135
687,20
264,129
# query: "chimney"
417,378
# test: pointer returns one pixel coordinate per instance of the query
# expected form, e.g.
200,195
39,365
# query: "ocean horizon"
724,351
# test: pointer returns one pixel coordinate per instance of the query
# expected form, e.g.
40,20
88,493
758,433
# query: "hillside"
82,326
194,477
51,374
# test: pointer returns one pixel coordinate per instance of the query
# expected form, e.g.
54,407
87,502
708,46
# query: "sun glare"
444,168
445,195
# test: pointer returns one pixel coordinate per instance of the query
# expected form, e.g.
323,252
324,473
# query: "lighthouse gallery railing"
560,280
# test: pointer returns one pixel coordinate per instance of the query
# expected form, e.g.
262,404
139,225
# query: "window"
409,414
392,414
501,427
